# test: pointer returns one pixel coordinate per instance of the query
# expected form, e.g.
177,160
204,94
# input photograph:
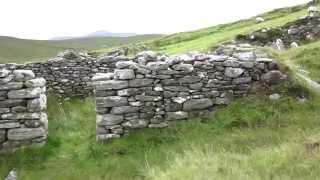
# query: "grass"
14,50
253,138
252,135
306,58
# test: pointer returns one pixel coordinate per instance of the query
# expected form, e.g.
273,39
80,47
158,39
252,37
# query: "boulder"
273,77
197,104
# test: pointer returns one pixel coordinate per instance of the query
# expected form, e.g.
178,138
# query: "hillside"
21,50
253,138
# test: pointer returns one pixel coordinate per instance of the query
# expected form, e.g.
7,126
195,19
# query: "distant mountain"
101,33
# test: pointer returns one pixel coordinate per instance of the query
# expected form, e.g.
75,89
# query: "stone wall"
23,120
69,73
152,90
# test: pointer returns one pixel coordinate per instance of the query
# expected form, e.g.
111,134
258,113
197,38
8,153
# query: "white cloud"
42,19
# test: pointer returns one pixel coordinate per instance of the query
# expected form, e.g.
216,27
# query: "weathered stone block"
11,86
12,103
25,93
23,75
111,101
33,83
20,116
124,74
110,85
21,134
233,72
180,115
38,104
109,120
140,82
197,104
124,110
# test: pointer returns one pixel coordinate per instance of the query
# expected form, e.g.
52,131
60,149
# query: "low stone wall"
23,120
70,73
153,90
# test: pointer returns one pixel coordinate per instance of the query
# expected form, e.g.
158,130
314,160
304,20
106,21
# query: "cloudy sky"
43,19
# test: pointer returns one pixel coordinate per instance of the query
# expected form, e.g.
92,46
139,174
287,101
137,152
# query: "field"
253,138
14,50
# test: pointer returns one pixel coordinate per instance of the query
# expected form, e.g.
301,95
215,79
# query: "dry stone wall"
151,90
70,73
23,120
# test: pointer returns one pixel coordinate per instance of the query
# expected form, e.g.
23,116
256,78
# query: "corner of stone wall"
23,120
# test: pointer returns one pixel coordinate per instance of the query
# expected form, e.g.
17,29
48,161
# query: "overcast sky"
43,19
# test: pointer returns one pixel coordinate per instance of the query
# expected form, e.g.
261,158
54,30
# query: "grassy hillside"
20,50
253,138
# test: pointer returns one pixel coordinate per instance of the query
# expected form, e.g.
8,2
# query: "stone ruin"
291,35
152,90
23,120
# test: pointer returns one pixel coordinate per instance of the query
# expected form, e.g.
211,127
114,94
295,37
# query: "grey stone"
197,104
25,93
4,73
18,109
2,135
111,101
246,56
232,63
171,116
68,54
183,67
274,97
12,175
176,88
4,110
126,65
243,80
157,66
233,72
103,77
129,92
158,126
190,79
7,79
124,110
110,85
23,75
124,74
12,103
144,98
38,104
9,125
140,82
11,86
105,137
20,116
39,82
135,124
273,77
109,120
25,133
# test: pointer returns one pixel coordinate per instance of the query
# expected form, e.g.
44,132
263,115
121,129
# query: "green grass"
253,134
306,58
14,50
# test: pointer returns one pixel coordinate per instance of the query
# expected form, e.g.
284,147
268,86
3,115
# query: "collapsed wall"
151,90
23,120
